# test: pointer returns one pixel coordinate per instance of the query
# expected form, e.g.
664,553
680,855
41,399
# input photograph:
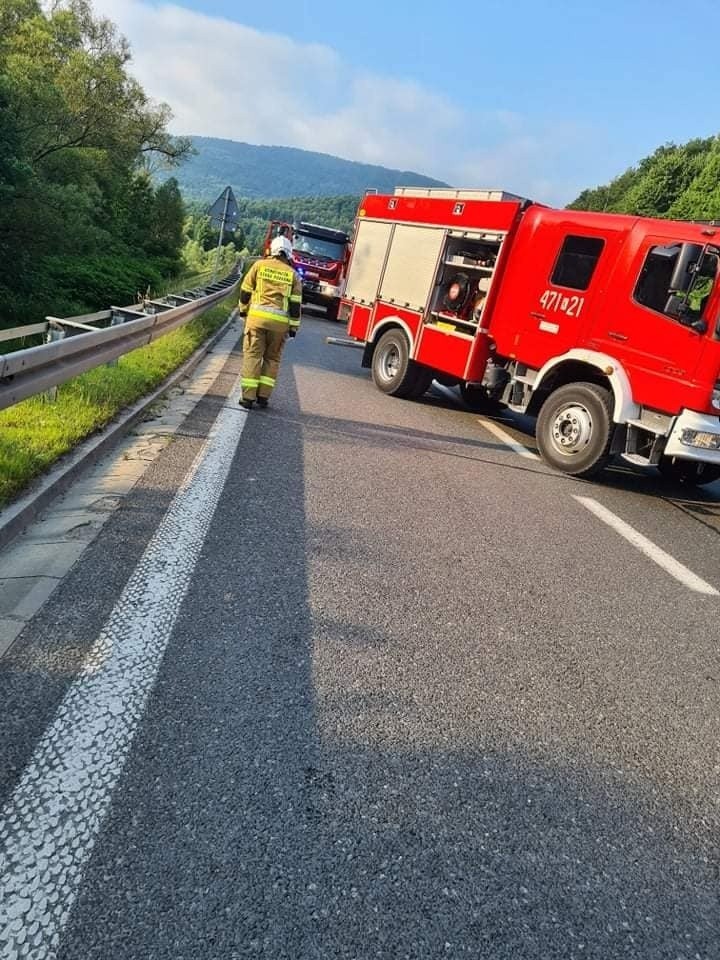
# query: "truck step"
636,459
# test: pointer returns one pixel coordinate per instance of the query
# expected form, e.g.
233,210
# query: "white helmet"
281,245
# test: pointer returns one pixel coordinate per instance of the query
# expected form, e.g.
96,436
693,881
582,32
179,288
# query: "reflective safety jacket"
275,291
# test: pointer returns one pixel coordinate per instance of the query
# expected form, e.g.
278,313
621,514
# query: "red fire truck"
604,327
320,255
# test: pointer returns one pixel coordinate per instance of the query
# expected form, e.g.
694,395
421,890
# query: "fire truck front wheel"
575,429
392,369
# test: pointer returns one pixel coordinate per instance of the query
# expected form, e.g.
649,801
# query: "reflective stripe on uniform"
262,314
267,381
296,298
294,322
250,382
279,312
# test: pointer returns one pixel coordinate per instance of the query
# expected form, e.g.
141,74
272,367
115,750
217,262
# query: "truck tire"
688,473
392,369
422,382
575,429
331,310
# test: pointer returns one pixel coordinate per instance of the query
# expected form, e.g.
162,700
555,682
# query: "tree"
67,70
701,199
674,181
166,232
77,136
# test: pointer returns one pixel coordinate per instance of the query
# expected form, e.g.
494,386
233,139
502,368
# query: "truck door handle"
538,316
617,336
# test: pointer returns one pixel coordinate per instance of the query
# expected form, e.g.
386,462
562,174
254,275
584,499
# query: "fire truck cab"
605,327
320,255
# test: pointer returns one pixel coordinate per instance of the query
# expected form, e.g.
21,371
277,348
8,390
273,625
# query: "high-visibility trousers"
262,350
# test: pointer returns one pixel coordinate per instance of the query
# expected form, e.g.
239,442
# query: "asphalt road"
416,701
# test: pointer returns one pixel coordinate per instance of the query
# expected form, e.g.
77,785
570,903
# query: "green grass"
34,433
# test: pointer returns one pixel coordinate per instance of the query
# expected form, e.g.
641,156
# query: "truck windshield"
315,247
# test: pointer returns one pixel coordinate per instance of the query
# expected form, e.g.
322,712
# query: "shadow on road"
277,804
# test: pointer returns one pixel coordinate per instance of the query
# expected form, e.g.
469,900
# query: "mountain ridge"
267,171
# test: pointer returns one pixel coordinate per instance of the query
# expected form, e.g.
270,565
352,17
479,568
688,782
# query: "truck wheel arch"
387,323
589,366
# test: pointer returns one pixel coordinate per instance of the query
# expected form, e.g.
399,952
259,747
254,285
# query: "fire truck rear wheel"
423,380
575,429
392,369
688,473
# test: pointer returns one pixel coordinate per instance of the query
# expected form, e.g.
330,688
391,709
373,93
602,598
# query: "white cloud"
224,79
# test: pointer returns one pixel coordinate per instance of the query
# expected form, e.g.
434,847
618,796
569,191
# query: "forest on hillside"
266,171
680,181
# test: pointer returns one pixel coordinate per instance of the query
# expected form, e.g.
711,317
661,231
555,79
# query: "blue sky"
551,96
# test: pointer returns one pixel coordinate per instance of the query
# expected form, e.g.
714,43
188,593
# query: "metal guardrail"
33,370
18,333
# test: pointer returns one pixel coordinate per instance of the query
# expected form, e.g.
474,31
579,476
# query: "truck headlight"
700,438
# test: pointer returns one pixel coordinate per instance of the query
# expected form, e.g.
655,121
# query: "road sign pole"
222,232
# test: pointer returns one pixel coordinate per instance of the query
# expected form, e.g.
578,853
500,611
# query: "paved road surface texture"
362,678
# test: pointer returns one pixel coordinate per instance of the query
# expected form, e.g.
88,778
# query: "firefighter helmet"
281,245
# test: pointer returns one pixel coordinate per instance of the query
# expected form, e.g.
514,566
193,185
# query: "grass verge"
35,433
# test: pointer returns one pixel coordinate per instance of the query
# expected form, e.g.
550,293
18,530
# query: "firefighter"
270,301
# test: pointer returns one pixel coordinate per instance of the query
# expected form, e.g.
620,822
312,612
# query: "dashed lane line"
50,824
672,566
659,556
489,425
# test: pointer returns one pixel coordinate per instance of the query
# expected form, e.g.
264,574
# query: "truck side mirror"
686,266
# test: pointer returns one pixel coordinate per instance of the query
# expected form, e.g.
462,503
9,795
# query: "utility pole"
228,205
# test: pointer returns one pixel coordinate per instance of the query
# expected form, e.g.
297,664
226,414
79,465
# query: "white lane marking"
489,425
672,566
49,826
498,432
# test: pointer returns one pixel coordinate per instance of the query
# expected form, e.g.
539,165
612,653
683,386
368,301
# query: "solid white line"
498,432
655,553
49,826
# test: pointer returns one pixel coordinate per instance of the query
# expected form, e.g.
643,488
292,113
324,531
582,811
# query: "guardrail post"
53,334
115,320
